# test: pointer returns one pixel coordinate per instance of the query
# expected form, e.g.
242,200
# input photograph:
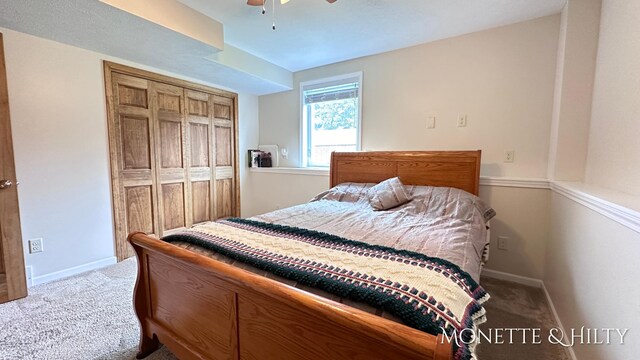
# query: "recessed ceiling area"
313,33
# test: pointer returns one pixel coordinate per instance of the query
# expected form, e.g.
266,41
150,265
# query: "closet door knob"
5,184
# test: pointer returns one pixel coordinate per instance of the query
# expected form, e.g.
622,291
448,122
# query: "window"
330,118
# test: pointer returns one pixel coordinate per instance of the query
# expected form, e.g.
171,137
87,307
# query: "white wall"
614,150
575,74
58,115
502,78
592,276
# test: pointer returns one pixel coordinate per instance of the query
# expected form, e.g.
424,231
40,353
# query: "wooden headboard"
457,169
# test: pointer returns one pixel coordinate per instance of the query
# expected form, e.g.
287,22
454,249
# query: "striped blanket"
427,293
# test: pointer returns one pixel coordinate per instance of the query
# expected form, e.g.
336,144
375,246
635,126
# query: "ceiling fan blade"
331,1
255,2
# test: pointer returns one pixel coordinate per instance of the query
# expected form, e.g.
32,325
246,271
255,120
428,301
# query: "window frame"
304,130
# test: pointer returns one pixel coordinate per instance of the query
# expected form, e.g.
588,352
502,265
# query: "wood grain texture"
224,198
199,145
169,103
1,262
458,169
198,107
135,143
222,111
174,206
201,193
170,144
272,329
14,280
132,96
211,299
274,320
176,145
223,146
170,167
139,201
132,157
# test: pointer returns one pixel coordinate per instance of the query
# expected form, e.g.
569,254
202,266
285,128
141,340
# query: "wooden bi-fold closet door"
173,153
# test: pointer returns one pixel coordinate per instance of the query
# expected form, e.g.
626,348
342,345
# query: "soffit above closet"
97,26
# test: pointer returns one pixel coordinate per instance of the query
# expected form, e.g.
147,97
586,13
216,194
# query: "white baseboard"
29,275
37,280
569,350
494,274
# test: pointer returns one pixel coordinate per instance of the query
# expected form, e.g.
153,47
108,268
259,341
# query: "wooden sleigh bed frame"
202,308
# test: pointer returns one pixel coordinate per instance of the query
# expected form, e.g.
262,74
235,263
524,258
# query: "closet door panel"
223,146
224,131
201,150
201,192
222,108
171,145
136,144
139,202
224,196
199,145
173,193
133,158
173,201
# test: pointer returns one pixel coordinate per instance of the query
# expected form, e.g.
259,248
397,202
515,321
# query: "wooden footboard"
201,308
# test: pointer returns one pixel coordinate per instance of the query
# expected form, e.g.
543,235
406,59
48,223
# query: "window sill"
312,171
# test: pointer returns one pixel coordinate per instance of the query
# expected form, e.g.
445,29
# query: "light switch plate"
462,120
503,243
431,122
509,156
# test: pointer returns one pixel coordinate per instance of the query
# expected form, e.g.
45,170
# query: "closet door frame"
111,71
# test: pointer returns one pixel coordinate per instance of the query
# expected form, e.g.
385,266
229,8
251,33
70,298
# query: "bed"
206,307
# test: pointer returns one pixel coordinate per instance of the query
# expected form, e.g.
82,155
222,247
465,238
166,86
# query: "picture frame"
254,158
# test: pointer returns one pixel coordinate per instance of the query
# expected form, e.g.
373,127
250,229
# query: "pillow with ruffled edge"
388,194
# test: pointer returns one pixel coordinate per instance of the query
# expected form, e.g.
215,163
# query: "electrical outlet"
503,243
509,156
36,246
431,122
462,120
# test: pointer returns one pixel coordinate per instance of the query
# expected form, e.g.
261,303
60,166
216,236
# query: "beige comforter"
441,222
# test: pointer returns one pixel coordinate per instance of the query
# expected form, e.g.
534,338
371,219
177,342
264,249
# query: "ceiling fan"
261,2
273,5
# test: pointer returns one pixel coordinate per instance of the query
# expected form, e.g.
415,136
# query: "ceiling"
256,59
312,33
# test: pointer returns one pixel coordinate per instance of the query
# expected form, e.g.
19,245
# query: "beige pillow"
388,194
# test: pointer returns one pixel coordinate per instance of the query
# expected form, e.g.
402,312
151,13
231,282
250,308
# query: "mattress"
438,222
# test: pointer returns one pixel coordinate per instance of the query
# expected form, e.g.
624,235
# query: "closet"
173,148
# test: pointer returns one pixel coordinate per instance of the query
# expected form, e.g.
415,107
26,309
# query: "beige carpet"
518,306
90,316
